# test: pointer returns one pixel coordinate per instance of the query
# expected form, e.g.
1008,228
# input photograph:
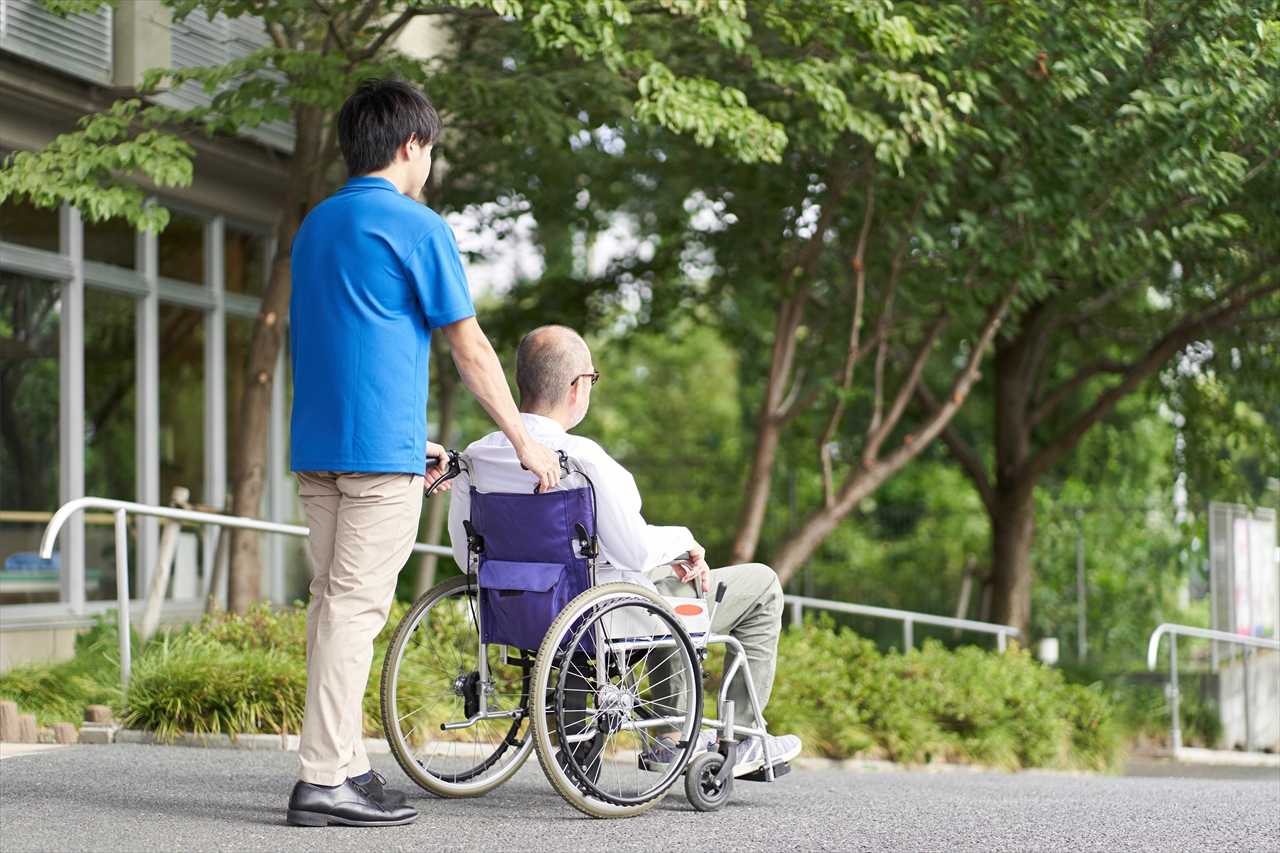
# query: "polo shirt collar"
541,423
365,182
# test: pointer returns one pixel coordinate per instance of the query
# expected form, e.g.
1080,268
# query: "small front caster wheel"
705,793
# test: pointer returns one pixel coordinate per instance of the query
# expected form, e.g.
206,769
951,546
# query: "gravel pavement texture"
156,798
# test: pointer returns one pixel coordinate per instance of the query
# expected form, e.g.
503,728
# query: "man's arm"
482,372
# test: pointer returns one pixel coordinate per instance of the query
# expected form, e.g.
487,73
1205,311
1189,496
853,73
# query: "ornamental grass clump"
58,692
192,682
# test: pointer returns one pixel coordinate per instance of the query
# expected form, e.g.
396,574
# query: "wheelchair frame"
709,776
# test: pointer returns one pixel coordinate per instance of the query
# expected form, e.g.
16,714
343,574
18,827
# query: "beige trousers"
363,527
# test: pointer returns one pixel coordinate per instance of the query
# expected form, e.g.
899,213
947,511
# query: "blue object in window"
30,561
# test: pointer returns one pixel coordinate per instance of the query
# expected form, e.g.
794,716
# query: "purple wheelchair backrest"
531,565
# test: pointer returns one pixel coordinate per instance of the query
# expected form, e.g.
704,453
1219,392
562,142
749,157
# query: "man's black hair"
379,117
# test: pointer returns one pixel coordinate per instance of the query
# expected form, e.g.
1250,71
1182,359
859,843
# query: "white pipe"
1153,647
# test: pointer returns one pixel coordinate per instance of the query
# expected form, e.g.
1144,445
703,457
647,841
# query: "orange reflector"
689,609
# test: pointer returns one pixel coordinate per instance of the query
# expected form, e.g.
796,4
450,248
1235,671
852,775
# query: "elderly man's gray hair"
548,360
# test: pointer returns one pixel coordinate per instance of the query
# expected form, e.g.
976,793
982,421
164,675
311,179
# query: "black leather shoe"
378,791
348,804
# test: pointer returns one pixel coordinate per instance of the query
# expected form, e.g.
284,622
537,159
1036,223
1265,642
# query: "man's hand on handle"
543,462
439,469
694,567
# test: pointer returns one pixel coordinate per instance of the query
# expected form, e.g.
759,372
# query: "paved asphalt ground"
144,798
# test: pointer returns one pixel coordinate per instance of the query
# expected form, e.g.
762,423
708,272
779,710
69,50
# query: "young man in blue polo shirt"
374,272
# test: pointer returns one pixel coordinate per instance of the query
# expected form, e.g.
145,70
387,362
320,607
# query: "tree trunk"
1012,532
1013,513
447,386
768,430
249,465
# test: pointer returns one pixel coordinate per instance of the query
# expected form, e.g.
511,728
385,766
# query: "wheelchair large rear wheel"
615,671
431,677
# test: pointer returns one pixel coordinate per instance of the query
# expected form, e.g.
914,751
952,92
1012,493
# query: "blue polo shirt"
373,273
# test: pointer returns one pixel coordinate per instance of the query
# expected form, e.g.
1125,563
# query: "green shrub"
247,673
843,698
58,692
195,683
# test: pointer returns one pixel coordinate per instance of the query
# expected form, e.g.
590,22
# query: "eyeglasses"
595,377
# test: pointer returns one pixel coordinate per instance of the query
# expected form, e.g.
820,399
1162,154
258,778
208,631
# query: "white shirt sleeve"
459,510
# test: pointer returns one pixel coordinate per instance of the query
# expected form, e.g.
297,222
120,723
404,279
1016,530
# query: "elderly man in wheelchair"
578,630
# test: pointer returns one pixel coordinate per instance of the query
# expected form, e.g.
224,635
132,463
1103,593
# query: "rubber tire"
544,665
699,772
451,790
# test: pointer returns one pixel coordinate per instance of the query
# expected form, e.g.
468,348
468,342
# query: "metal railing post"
1173,690
908,640
1002,641
797,613
120,509
1248,717
122,599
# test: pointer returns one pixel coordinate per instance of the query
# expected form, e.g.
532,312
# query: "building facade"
122,354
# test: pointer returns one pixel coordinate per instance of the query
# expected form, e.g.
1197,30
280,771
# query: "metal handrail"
1153,649
907,617
121,509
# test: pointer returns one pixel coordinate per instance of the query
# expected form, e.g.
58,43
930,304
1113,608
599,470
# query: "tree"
317,53
1136,174
813,262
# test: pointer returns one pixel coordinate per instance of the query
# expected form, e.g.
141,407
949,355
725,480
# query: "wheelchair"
524,651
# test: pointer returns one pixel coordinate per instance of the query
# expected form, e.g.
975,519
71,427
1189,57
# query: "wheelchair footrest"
779,770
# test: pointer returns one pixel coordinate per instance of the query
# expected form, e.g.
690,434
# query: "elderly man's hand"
695,567
543,462
438,470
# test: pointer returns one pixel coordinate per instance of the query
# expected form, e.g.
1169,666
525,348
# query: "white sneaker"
662,751
751,753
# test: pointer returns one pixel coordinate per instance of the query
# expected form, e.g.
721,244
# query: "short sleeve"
434,270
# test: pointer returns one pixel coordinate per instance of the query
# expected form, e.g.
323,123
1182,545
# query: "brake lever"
453,470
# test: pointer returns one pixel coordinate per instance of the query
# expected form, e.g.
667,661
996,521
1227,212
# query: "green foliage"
59,692
193,683
1136,553
667,408
84,168
844,698
238,674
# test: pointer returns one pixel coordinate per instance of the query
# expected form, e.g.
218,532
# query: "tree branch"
851,358
405,17
1042,409
961,451
905,391
1237,299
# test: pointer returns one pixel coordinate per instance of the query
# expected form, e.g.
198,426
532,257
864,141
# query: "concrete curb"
373,746
1220,757
871,765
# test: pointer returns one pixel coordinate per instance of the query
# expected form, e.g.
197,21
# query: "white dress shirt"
628,545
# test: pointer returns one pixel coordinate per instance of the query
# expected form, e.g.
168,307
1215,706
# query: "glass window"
29,462
113,241
181,401
245,262
109,412
36,227
109,402
182,248
239,332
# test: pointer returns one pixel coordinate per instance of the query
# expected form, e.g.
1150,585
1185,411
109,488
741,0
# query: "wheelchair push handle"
454,469
564,469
